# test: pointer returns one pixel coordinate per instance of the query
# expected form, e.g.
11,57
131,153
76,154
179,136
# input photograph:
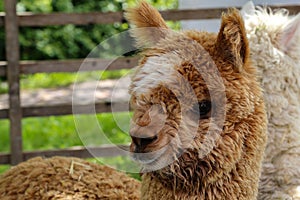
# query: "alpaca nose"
141,143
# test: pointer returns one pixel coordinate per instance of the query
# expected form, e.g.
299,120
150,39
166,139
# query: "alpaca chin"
157,160
149,157
157,164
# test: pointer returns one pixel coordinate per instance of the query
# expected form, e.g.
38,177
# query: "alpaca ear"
290,37
248,9
150,27
232,44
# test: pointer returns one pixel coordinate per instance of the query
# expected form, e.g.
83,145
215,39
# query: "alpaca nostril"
149,140
141,143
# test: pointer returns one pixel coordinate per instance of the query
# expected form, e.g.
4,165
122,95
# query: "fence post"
13,72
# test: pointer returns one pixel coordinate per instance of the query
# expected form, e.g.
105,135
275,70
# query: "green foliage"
64,42
1,6
70,41
36,6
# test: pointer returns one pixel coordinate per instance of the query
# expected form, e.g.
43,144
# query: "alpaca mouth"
148,158
156,160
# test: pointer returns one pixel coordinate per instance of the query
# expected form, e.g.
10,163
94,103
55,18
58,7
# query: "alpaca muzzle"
139,144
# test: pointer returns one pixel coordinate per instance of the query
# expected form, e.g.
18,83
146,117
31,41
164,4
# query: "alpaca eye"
202,108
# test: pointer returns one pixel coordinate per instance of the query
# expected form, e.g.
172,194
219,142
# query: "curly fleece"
231,168
62,178
274,42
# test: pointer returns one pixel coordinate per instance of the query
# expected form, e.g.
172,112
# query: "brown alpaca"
184,75
63,178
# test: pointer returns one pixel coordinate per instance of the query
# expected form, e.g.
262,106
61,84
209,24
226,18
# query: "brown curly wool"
66,178
187,154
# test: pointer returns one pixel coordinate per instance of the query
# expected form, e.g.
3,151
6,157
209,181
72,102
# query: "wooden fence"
13,68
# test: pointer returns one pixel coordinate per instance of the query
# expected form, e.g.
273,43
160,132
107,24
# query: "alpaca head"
189,93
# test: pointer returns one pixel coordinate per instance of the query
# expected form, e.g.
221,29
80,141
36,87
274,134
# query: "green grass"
60,132
4,135
3,168
52,80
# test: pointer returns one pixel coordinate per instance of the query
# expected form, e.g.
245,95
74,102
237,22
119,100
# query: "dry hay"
66,178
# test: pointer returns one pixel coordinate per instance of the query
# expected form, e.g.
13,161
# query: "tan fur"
145,16
64,178
232,39
225,166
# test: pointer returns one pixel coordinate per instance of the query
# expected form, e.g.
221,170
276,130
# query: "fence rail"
50,66
40,20
13,68
81,152
67,109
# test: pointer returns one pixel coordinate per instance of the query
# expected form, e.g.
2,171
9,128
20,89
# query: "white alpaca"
274,42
